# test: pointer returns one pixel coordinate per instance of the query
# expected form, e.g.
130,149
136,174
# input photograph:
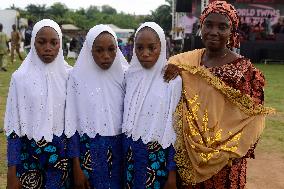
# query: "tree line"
93,15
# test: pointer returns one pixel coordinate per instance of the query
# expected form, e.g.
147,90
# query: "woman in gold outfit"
221,115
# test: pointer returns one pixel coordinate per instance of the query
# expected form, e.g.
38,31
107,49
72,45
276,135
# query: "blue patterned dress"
146,165
39,164
100,159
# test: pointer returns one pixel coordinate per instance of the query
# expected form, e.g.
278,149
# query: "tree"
124,21
108,9
162,16
81,11
83,18
58,10
170,2
37,12
92,11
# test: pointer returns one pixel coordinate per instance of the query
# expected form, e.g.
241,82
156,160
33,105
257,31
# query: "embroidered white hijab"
36,99
94,102
150,102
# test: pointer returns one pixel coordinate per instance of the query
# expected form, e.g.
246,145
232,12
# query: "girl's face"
215,31
47,44
147,47
104,50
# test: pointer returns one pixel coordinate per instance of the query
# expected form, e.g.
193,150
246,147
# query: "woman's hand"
171,72
13,181
80,179
171,183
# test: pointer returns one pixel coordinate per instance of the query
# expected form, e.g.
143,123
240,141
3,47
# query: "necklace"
209,64
223,56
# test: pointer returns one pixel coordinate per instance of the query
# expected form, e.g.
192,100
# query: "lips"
213,40
106,63
47,56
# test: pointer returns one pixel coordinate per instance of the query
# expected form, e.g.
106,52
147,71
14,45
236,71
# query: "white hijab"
94,102
149,101
36,99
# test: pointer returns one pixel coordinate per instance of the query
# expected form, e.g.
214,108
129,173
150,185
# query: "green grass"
274,89
4,85
272,139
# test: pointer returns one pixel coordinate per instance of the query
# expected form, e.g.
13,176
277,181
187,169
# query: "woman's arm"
171,72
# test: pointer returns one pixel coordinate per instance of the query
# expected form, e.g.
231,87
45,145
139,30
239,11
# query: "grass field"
272,138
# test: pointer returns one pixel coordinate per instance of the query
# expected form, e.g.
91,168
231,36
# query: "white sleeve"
175,87
176,92
71,108
12,117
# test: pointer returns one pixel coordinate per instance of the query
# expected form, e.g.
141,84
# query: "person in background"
277,27
81,42
74,47
169,45
186,22
120,44
128,49
15,43
269,25
4,48
28,36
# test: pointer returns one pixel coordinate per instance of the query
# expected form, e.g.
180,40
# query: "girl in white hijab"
94,110
149,105
34,119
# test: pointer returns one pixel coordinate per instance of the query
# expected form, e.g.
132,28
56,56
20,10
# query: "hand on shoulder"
171,72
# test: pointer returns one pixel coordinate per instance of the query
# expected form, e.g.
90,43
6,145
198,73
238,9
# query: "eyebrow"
210,21
43,38
149,43
98,46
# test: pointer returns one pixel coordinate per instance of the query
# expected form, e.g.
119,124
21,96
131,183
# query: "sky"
137,7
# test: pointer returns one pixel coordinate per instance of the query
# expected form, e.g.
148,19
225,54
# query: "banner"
258,1
255,11
258,12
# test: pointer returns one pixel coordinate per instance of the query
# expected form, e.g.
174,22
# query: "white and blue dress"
94,110
149,136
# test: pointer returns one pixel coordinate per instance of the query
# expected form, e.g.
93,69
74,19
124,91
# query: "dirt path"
266,171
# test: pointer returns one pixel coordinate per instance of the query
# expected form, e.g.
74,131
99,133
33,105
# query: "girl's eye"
223,27
54,43
41,42
139,48
98,50
152,48
208,25
111,49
